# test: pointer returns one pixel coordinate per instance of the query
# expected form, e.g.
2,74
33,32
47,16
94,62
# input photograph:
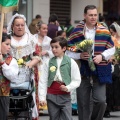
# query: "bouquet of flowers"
86,46
21,62
117,54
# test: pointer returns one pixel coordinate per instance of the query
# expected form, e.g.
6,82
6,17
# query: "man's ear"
64,48
84,16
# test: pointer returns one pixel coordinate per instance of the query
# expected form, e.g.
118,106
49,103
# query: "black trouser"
4,107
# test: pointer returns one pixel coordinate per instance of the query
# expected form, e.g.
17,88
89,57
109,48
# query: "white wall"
41,7
8,17
77,9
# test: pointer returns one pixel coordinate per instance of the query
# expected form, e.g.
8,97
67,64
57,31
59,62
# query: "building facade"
66,8
63,8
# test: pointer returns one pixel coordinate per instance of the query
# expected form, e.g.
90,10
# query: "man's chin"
55,55
93,23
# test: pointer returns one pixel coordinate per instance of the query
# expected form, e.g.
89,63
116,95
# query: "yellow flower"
52,68
20,61
82,44
86,46
117,57
90,41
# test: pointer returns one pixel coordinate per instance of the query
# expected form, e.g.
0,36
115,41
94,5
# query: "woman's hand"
44,53
43,103
28,65
32,63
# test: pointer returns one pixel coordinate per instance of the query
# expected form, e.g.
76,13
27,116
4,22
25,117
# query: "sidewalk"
114,116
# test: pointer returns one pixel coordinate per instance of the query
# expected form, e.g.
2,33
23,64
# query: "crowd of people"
61,72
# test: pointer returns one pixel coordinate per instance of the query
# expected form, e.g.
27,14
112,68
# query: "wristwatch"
103,57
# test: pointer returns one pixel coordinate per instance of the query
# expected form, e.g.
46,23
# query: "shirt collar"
87,29
60,58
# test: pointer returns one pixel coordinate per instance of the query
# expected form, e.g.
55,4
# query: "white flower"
52,68
65,28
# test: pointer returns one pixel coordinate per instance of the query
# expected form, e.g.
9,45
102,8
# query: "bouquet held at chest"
21,62
117,54
86,46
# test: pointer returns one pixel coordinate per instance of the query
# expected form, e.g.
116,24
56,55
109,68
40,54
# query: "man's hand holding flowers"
84,55
117,54
86,48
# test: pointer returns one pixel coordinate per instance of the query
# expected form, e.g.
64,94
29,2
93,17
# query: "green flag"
8,5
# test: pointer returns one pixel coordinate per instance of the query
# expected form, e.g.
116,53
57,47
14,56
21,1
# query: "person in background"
67,27
32,26
115,32
93,83
53,26
8,73
24,46
102,21
60,76
4,29
112,94
46,53
61,33
116,87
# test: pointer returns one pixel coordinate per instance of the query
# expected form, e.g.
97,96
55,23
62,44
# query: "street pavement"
114,116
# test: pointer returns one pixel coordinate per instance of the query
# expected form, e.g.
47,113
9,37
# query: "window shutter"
62,8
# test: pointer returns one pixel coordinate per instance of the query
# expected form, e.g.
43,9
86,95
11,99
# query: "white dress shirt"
58,75
45,47
75,78
11,71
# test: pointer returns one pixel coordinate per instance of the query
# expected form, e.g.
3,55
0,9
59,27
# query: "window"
62,8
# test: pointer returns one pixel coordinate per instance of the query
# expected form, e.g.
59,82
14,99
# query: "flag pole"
1,27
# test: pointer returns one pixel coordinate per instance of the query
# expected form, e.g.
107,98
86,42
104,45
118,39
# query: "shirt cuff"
4,65
69,89
1,63
42,98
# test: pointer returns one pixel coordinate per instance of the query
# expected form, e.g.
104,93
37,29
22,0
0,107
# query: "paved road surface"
114,116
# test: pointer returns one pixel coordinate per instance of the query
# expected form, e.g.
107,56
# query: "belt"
60,82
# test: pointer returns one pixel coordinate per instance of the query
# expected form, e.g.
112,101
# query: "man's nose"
52,48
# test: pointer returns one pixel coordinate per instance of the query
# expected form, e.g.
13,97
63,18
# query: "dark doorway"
111,11
62,8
